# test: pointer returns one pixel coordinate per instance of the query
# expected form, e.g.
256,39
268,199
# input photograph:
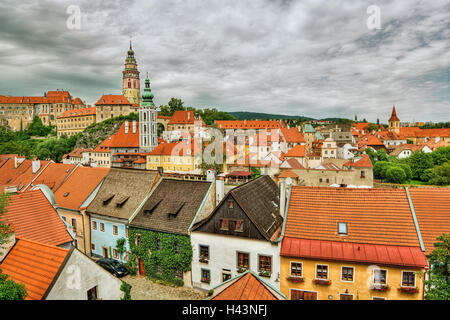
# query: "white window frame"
346,228
328,271
116,226
415,279
353,274
290,268
373,275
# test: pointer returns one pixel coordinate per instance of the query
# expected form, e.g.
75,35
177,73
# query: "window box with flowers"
242,269
203,260
322,282
206,280
408,289
295,279
264,273
380,287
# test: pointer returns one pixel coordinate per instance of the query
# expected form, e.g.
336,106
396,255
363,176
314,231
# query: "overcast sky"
312,58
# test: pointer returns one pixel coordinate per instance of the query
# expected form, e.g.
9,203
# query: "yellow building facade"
74,121
349,281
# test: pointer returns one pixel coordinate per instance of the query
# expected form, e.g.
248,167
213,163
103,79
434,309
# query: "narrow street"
145,289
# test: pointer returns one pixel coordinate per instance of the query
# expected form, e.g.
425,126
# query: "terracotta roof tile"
80,184
183,117
53,175
353,252
394,115
292,135
246,287
78,112
124,140
33,264
296,151
432,207
115,99
288,174
35,218
376,216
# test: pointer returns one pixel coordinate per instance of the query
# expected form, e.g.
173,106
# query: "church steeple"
394,122
148,138
130,79
147,95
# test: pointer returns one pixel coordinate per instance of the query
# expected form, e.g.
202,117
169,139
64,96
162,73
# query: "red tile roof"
247,124
80,184
123,140
78,112
288,174
35,218
361,126
353,252
33,264
114,99
104,146
53,175
432,207
78,152
376,216
51,97
296,151
181,148
364,162
183,117
20,177
295,164
292,135
247,287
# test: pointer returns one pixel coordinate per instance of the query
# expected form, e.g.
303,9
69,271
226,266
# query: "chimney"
7,246
189,115
282,197
127,127
134,126
18,161
220,190
35,165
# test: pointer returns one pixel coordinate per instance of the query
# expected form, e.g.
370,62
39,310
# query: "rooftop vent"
66,194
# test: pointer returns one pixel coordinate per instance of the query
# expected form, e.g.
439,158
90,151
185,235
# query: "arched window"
129,83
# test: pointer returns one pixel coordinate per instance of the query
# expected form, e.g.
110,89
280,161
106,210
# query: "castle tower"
148,138
130,79
394,122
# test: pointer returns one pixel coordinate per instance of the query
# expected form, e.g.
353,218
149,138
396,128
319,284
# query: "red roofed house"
52,273
298,152
246,286
110,105
354,244
72,198
75,121
183,120
394,122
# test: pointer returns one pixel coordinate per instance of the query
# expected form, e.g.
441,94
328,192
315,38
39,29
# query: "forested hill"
261,116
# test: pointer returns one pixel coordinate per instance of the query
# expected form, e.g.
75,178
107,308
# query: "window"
102,227
347,274
230,204
74,225
92,293
138,240
320,180
321,271
296,269
379,276
243,260
342,227
239,225
344,296
126,232
115,230
158,244
115,255
408,279
206,275
158,269
224,224
303,295
363,174
265,263
178,274
92,246
204,252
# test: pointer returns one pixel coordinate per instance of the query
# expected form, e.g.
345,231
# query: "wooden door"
105,252
303,295
346,296
141,267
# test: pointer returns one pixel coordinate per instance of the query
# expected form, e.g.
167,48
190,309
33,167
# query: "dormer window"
342,228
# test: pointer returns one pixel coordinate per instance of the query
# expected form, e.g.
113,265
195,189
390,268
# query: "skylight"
342,228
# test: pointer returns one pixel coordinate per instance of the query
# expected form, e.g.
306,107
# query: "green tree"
4,228
37,128
379,169
439,175
419,162
395,175
439,282
120,247
441,155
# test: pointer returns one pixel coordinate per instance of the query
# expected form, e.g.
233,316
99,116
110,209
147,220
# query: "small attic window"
107,199
66,194
67,170
121,201
342,228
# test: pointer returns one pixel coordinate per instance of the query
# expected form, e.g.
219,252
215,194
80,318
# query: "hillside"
260,116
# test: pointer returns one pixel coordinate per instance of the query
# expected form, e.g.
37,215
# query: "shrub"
396,175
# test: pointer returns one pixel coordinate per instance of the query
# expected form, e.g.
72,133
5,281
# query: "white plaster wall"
81,274
223,255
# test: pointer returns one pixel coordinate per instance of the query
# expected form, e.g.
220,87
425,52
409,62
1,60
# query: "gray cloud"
313,58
